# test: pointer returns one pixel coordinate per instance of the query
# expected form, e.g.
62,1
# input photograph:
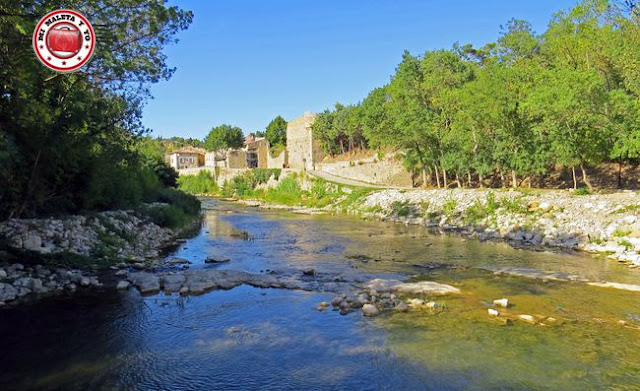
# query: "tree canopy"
512,109
276,132
223,137
68,141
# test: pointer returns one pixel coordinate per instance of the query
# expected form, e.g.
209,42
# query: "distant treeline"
513,109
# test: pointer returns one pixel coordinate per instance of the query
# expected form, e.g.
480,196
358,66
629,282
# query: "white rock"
501,302
527,318
493,312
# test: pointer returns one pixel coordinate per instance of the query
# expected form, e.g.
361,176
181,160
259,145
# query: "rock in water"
213,260
120,273
177,261
370,310
122,285
501,302
309,272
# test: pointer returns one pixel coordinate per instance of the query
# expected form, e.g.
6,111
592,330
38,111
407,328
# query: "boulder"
7,292
370,310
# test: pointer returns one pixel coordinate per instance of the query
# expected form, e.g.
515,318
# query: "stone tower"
302,150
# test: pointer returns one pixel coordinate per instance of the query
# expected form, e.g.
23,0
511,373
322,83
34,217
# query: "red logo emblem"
64,40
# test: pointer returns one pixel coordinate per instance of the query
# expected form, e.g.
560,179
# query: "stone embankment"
114,234
597,223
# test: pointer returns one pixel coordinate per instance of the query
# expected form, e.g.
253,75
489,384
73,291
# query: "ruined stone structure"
303,152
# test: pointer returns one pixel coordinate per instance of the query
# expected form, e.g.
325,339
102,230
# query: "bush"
581,191
449,207
402,208
287,192
262,175
203,183
180,210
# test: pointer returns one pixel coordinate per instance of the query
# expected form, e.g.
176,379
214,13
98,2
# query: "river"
271,339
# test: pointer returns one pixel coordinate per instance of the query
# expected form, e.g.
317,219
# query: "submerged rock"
412,288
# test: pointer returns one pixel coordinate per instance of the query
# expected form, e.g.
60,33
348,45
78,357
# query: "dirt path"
350,182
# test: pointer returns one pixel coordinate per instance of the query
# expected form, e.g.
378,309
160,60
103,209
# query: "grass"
582,191
626,244
402,208
619,232
288,192
449,207
203,183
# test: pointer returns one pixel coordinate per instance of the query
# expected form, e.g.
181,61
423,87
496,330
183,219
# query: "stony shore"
98,240
606,224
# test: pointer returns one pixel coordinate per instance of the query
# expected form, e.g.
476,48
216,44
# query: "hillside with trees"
512,110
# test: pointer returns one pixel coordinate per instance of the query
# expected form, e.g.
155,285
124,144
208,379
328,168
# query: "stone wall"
302,151
236,159
279,161
388,171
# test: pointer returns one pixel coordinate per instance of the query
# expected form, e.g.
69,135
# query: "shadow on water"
249,338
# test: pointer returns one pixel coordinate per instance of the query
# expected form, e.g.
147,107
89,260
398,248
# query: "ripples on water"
249,338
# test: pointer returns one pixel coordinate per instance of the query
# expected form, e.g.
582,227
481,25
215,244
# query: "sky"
243,62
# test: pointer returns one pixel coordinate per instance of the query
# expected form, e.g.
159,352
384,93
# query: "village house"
188,157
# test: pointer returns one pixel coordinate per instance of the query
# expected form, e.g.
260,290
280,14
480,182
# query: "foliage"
402,208
223,137
276,132
203,183
68,141
581,191
449,207
288,192
511,110
262,175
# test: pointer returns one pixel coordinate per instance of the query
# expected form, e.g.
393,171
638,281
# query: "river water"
270,339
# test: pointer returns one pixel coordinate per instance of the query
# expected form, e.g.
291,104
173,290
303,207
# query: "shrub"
287,192
203,183
514,205
581,191
449,207
402,208
262,175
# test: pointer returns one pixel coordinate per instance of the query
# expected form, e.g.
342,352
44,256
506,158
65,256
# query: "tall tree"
276,132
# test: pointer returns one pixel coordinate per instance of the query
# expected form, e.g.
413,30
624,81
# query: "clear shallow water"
249,338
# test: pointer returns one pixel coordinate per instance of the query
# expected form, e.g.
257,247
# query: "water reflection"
249,338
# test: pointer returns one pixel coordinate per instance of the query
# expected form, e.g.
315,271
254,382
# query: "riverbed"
584,337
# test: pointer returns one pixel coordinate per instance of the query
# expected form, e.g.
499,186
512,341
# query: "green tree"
276,132
224,137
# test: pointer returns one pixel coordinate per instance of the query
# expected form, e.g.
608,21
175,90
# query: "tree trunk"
502,180
575,180
514,179
458,180
444,178
435,170
424,178
469,178
584,177
619,173
480,181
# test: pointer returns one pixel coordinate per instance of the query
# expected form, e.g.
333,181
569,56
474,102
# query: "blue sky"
243,62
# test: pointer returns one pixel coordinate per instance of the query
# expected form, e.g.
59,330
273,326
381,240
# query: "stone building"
303,152
257,150
188,157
